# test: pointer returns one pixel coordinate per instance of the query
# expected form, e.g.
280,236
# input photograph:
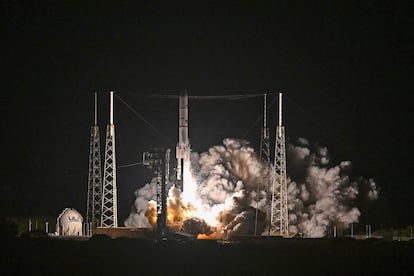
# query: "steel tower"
279,220
265,141
264,157
94,204
109,197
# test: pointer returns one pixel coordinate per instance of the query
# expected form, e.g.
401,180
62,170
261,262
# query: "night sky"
346,71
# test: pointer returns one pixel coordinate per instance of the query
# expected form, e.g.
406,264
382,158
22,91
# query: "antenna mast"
109,198
279,220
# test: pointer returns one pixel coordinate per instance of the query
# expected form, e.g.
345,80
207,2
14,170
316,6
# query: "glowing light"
214,236
151,212
190,190
220,201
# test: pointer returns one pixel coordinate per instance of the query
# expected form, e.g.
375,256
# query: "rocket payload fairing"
183,147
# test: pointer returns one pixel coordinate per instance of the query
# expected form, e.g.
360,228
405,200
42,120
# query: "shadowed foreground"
122,256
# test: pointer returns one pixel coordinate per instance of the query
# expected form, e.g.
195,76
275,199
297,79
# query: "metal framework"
279,220
159,161
109,196
264,157
94,204
265,141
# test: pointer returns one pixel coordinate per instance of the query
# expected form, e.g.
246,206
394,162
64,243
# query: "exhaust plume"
320,195
220,197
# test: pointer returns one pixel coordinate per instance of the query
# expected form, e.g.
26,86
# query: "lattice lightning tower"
265,141
94,210
279,220
264,156
109,197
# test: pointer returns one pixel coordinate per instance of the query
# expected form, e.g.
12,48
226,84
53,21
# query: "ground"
102,255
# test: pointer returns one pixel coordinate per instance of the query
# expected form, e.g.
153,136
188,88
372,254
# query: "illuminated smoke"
220,193
151,213
196,226
141,210
228,177
239,218
371,186
321,195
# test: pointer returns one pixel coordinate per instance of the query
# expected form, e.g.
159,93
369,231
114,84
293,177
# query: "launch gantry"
279,219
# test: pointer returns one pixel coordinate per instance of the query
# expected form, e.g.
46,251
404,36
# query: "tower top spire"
96,110
280,109
264,112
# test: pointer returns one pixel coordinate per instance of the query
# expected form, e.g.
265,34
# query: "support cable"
205,97
258,120
144,120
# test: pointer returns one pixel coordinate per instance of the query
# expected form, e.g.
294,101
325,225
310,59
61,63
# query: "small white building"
69,223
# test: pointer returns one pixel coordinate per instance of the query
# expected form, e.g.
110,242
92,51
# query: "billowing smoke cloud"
321,195
196,226
142,210
230,175
233,186
371,189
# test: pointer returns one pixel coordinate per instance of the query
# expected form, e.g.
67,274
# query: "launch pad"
103,202
126,232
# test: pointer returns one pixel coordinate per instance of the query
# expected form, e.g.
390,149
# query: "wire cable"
144,120
129,165
204,97
257,121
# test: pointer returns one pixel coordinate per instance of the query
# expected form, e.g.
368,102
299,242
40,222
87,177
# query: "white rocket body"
183,147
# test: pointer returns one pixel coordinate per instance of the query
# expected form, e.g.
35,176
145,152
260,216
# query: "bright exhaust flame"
220,193
214,236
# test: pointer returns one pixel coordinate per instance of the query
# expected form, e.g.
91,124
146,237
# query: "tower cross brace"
265,159
94,204
279,217
109,196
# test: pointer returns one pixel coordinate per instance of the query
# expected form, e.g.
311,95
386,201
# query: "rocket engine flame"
219,199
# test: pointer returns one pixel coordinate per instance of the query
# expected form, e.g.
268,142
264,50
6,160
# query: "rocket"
183,147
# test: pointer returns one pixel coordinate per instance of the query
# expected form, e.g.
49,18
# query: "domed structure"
69,223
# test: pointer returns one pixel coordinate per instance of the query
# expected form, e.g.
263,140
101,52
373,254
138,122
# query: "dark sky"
346,71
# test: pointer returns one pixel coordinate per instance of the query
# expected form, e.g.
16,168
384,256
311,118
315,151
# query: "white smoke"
137,217
231,183
230,175
373,191
321,195
227,169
